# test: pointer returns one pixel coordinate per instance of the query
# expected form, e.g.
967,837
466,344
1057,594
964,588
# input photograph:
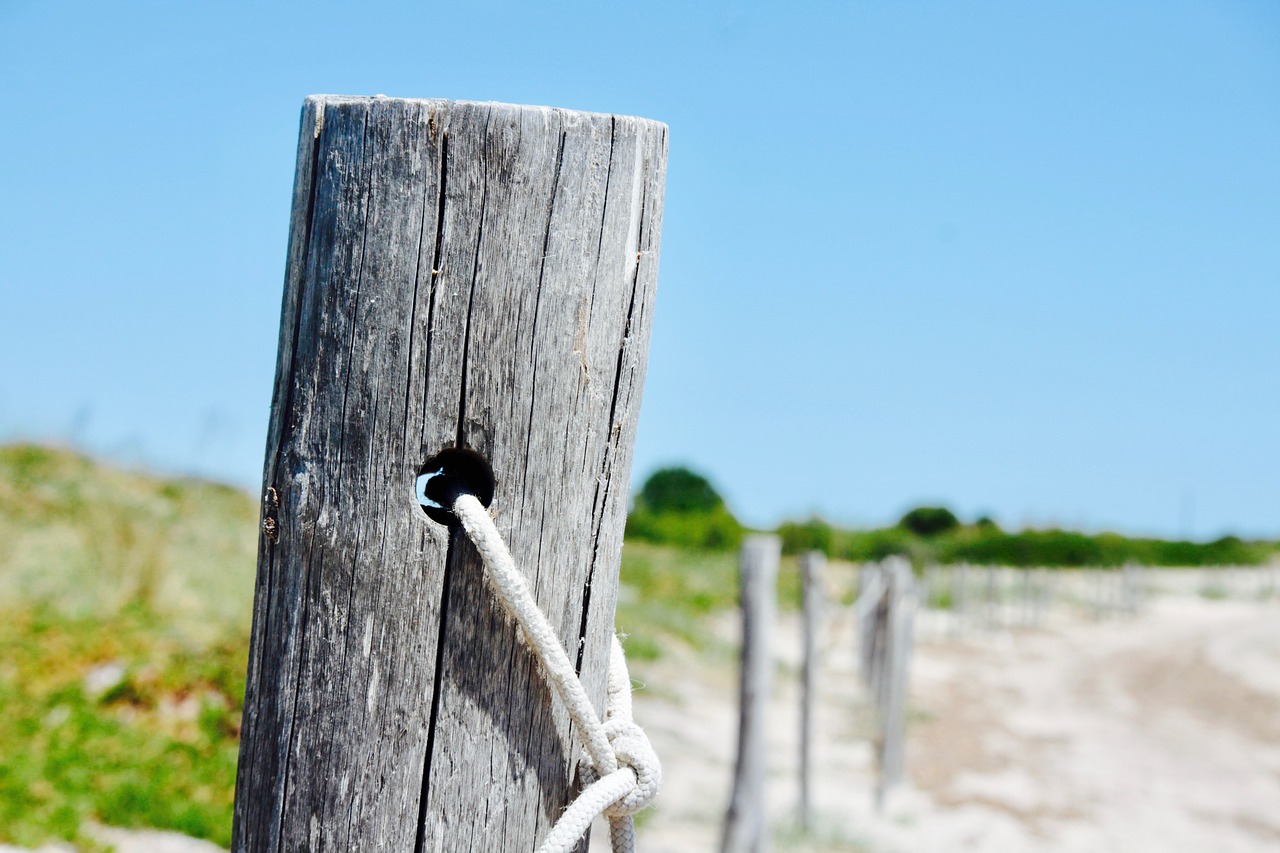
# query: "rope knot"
618,747
633,752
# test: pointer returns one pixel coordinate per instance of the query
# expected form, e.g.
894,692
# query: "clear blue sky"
1018,258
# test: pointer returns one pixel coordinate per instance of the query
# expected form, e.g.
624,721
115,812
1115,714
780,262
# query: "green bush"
876,545
929,520
680,508
1065,548
799,537
678,490
713,530
1028,548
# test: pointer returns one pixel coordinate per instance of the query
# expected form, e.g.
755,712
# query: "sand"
1156,731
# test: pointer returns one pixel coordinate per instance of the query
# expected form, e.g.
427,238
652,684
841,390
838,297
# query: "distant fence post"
474,278
993,598
1038,581
812,568
886,612
1026,612
960,596
871,588
902,608
746,828
1131,576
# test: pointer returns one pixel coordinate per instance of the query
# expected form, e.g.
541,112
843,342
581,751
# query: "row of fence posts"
885,611
1239,582
992,598
962,597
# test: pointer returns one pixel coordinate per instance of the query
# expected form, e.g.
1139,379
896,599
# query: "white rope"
620,765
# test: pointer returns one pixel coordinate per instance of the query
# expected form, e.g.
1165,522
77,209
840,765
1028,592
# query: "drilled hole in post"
451,473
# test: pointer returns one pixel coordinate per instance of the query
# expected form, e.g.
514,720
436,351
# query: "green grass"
156,748
666,594
104,570
87,539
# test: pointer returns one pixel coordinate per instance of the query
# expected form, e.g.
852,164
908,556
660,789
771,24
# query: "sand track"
1154,732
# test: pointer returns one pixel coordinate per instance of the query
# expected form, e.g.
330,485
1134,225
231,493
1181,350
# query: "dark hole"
451,473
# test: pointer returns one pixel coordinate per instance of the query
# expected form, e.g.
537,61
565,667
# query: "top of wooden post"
319,102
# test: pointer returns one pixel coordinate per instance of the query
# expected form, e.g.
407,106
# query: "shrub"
678,507
929,521
717,530
801,536
678,490
875,545
1029,548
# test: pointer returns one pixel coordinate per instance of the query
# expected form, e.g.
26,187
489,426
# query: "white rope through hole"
619,759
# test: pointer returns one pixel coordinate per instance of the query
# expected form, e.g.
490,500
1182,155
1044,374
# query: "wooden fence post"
886,609
1131,577
993,599
899,628
746,828
464,277
870,596
812,568
960,596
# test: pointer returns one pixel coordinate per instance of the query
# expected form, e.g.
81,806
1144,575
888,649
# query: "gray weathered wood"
870,595
1026,591
746,828
812,569
886,618
459,275
901,598
1131,596
1042,594
992,592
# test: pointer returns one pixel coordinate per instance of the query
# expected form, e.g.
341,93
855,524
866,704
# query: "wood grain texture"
459,275
746,828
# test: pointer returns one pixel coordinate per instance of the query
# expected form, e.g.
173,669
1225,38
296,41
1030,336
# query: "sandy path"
1157,732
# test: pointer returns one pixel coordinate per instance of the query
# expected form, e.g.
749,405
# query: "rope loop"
620,766
633,752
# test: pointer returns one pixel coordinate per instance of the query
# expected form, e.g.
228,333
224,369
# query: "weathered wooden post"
886,612
960,596
812,568
472,280
1049,588
901,596
992,598
1099,592
1131,581
870,599
746,828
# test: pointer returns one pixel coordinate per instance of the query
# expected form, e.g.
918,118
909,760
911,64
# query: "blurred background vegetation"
126,599
125,606
680,508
